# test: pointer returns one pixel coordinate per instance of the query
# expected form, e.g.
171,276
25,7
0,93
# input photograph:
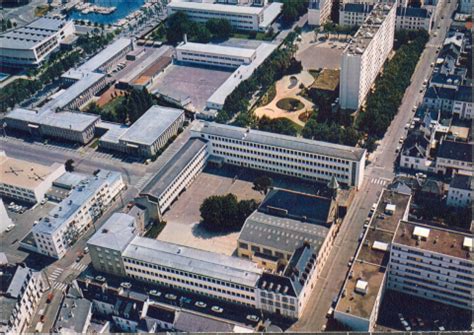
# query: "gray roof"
116,232
105,55
281,141
62,213
113,131
69,179
22,275
462,182
30,35
170,171
215,8
7,305
151,125
216,49
197,323
281,233
205,263
74,314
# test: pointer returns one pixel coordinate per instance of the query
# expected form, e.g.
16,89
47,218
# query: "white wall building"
72,217
5,220
365,55
461,191
307,159
454,157
26,181
319,12
20,294
147,135
30,45
214,54
432,263
462,104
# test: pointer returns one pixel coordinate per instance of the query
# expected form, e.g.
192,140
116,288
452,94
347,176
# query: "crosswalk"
55,274
142,181
380,181
53,279
59,286
79,267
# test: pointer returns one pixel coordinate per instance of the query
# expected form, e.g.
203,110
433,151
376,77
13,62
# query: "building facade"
72,217
461,191
454,157
319,12
365,55
306,159
30,45
432,263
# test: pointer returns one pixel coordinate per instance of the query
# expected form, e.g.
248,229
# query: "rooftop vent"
362,287
381,246
421,233
467,243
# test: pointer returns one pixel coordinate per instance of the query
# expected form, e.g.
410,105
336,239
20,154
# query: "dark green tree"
262,184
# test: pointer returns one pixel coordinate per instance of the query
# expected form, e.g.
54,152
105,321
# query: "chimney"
185,38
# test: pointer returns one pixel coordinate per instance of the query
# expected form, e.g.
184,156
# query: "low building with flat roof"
59,230
31,45
147,135
26,181
358,304
433,263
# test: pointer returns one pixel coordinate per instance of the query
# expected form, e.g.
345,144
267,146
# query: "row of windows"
200,55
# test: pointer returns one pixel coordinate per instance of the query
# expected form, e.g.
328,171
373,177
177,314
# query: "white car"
200,304
217,309
253,318
10,227
170,296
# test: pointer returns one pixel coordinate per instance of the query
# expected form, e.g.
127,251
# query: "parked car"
10,227
217,309
200,304
185,300
154,293
253,318
330,312
170,296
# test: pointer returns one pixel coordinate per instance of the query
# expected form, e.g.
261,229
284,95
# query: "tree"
262,184
94,108
69,165
219,28
224,213
279,126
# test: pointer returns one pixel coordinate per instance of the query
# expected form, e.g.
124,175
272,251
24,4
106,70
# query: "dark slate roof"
400,187
159,313
433,187
412,12
416,145
462,182
460,151
357,8
160,181
464,93
442,79
276,283
440,93
297,206
190,322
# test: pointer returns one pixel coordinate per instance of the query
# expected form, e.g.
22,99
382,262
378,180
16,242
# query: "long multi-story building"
253,18
26,181
432,263
30,45
59,230
365,55
302,158
319,12
21,290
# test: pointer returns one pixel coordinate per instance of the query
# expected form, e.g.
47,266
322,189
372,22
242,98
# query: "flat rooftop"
22,173
105,55
369,28
151,125
281,141
161,181
216,8
210,264
389,222
115,233
439,240
150,57
216,49
30,35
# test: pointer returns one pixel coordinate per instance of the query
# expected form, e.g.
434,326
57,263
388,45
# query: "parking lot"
198,83
398,307
9,241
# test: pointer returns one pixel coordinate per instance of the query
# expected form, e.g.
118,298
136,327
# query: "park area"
285,100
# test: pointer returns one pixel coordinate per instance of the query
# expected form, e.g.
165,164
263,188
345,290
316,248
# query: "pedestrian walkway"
55,274
79,267
380,181
141,182
59,286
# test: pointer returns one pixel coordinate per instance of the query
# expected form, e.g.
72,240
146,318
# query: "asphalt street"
377,175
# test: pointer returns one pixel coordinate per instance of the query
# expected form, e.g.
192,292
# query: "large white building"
72,217
365,55
26,181
432,263
147,135
30,45
255,18
21,290
319,12
214,54
302,158
5,220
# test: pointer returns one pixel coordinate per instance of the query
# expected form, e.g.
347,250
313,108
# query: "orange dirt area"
109,95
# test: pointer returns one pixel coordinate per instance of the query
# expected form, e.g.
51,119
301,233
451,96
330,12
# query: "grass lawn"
110,106
252,36
290,104
41,10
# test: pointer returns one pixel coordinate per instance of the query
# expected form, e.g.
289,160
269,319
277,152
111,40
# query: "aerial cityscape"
236,166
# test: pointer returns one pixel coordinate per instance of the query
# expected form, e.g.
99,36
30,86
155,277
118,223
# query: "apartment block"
365,55
461,191
432,263
72,217
454,157
287,155
26,181
21,290
30,45
319,12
